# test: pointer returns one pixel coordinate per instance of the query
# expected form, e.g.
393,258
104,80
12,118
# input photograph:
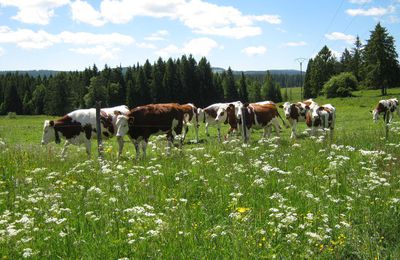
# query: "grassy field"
303,198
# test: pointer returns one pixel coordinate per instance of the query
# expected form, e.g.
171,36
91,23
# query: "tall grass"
289,198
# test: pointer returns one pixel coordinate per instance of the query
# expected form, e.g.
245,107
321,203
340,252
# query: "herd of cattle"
173,119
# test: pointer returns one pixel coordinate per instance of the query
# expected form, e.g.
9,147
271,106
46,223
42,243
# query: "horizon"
71,35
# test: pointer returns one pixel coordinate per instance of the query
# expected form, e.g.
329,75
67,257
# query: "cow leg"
66,144
170,143
120,141
88,145
219,133
277,126
196,129
144,147
207,133
136,143
294,127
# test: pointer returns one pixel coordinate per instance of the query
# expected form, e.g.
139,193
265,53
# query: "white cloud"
374,11
200,46
360,2
34,11
84,12
157,36
146,45
27,39
295,44
254,50
105,46
197,47
201,17
338,36
104,53
84,38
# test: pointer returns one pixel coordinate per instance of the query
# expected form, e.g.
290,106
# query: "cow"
190,117
79,127
257,116
321,116
387,108
222,116
209,116
143,121
296,112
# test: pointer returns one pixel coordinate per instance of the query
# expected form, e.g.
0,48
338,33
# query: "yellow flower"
242,209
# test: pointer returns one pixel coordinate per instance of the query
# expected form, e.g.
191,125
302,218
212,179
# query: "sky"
73,35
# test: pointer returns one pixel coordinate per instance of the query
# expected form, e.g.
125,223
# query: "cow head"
221,115
287,107
122,124
382,107
49,133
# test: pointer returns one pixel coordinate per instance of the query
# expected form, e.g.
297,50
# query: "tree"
307,89
255,91
228,83
381,67
319,72
56,93
270,89
346,61
357,60
97,92
12,101
243,94
38,96
340,85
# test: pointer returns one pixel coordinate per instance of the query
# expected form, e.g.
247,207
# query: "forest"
373,65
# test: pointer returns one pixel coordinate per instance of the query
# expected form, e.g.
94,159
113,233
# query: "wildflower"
242,210
27,252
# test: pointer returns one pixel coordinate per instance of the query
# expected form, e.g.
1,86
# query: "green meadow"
277,198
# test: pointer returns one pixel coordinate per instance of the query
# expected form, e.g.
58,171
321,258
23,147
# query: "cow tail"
283,121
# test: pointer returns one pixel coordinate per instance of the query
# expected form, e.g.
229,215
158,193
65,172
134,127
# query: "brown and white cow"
143,121
215,115
321,116
190,118
79,126
258,116
387,108
296,112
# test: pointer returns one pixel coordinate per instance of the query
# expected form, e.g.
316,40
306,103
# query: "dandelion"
242,210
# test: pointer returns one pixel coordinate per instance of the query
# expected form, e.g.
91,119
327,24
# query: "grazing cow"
321,116
214,115
387,108
258,116
296,112
190,117
143,121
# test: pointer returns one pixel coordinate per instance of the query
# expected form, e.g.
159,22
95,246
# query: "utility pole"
301,60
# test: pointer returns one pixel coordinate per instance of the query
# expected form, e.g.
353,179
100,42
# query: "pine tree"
97,92
357,60
307,90
243,94
381,67
229,85
38,96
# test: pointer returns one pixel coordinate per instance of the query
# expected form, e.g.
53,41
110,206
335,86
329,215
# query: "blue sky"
245,35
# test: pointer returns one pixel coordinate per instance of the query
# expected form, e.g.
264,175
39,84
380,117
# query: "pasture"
303,198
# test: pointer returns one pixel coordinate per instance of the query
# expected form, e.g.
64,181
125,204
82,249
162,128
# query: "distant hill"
47,73
258,72
33,73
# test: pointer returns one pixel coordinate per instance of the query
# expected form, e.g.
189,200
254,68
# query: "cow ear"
51,123
321,108
117,113
246,104
307,107
231,106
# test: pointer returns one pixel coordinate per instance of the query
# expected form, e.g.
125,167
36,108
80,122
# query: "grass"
293,199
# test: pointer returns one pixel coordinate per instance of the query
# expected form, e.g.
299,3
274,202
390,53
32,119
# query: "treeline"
179,80
372,66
